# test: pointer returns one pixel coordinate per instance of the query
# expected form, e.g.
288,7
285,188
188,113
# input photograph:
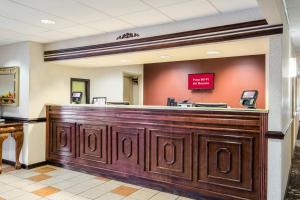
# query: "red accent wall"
232,76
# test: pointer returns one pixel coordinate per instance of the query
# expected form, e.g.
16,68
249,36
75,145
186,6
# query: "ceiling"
252,46
293,10
20,20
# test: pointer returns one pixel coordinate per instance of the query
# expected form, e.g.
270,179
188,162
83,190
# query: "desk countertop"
162,108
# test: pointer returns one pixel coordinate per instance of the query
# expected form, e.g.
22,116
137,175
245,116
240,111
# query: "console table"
16,131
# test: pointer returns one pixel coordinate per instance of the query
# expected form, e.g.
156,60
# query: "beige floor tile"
45,169
8,169
5,188
39,178
143,194
81,178
164,196
108,186
78,198
22,183
184,198
58,172
51,181
99,190
62,195
134,186
12,194
19,171
78,188
28,196
110,196
46,191
7,178
33,187
124,190
93,193
63,184
64,175
24,174
101,178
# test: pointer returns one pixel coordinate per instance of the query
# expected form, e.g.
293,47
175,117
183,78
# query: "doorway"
131,89
82,86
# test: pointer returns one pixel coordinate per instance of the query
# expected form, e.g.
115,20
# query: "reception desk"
197,152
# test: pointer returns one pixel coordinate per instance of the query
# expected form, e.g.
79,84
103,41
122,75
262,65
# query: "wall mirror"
9,86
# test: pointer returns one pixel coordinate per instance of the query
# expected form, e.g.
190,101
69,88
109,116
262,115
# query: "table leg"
18,136
3,136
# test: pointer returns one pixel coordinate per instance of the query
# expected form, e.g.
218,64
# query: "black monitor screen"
76,94
249,94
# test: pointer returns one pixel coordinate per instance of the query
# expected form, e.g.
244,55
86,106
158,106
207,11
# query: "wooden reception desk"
210,153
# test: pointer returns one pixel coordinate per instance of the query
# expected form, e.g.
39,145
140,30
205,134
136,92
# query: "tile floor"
53,183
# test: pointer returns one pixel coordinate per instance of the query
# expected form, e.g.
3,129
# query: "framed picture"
9,82
99,100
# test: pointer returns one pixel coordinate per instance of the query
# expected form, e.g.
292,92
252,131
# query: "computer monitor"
171,101
248,98
76,97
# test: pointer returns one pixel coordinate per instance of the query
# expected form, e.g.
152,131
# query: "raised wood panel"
171,153
128,148
63,138
226,161
93,142
203,154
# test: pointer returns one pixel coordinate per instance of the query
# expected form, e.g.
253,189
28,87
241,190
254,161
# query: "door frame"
87,88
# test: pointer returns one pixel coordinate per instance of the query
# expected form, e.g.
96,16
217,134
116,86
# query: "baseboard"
31,166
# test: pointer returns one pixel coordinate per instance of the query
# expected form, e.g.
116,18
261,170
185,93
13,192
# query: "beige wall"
50,83
43,83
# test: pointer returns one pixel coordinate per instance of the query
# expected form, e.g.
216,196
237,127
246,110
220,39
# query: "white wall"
50,83
279,101
17,55
43,83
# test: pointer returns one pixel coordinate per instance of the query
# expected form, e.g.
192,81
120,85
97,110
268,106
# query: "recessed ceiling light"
165,56
124,61
212,52
47,21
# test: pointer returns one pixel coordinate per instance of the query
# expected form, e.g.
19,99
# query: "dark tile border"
31,166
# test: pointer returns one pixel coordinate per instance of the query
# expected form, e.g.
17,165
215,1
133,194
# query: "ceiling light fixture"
165,56
47,21
213,52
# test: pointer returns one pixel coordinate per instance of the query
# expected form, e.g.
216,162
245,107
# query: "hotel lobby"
149,99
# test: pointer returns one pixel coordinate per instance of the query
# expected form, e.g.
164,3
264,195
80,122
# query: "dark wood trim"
200,36
25,120
275,135
31,166
279,134
88,88
166,36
